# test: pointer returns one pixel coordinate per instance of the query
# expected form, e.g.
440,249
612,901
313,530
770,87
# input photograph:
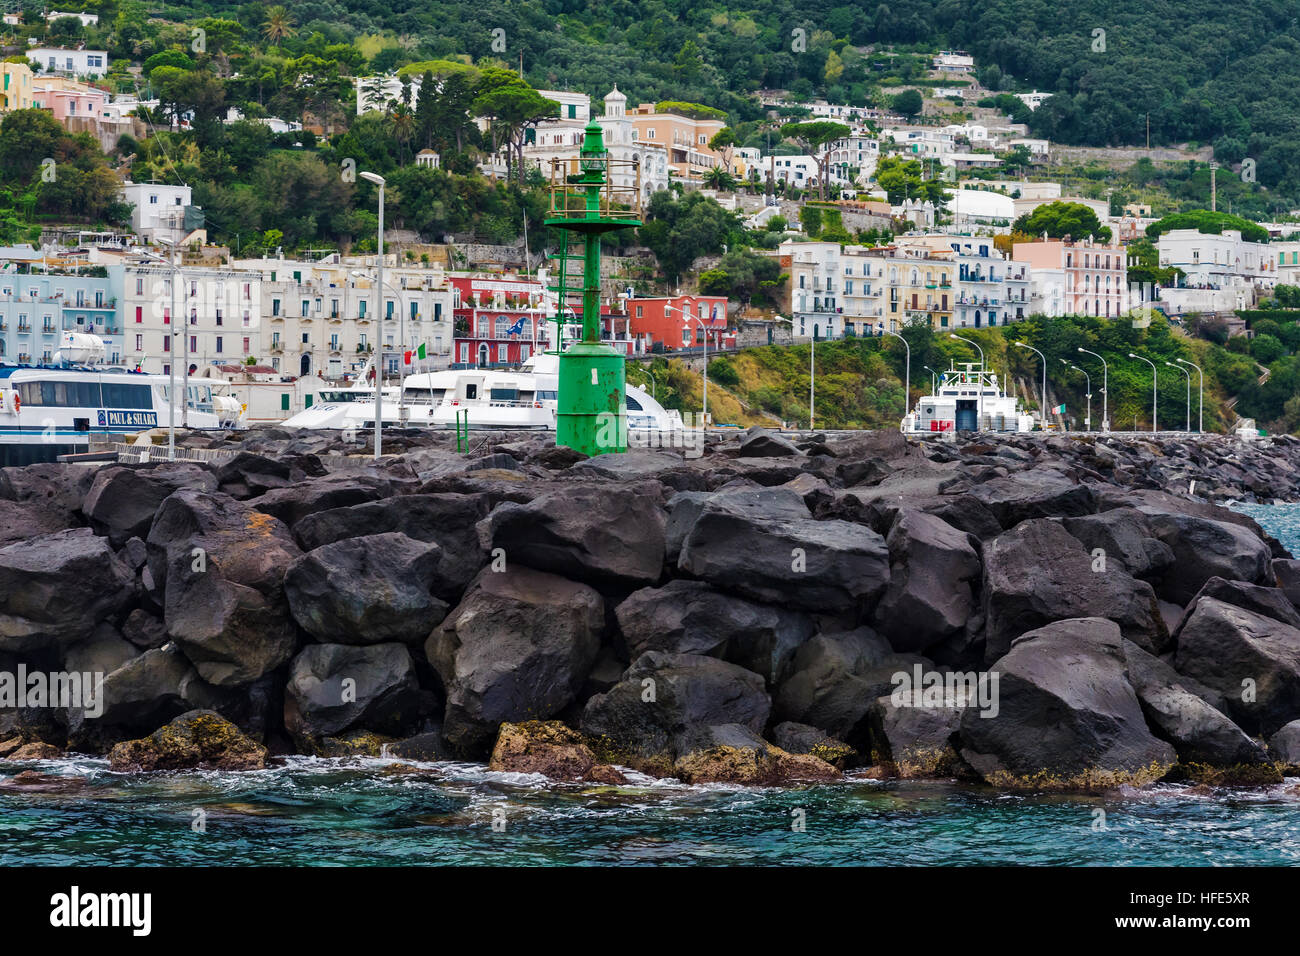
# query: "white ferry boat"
967,399
52,410
522,398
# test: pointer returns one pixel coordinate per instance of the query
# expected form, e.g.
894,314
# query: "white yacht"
967,399
522,398
53,409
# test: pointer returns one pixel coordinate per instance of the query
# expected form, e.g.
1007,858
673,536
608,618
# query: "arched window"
483,354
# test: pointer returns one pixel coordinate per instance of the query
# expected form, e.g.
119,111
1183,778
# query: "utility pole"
1214,192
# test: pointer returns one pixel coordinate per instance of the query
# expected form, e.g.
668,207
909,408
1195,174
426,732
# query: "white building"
859,151
70,62
954,61
1286,258
218,314
815,286
158,210
1227,271
561,139
1032,100
87,19
318,318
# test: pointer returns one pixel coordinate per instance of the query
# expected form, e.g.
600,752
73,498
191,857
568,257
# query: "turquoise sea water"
360,811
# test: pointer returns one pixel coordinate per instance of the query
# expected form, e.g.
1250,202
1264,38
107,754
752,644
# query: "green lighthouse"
592,406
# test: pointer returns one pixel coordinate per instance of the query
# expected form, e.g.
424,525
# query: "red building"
663,319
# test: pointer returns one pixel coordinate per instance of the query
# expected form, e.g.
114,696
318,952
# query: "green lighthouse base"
592,413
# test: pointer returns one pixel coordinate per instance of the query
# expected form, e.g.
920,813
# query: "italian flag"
1058,410
417,354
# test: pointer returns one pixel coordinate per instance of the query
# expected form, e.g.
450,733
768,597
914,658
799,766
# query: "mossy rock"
199,739
356,743
549,747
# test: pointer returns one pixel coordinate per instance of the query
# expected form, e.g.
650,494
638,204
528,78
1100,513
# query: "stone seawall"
1055,613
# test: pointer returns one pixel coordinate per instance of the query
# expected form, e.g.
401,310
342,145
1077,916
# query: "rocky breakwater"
1057,613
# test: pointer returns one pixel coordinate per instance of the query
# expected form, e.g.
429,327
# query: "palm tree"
403,120
279,24
718,178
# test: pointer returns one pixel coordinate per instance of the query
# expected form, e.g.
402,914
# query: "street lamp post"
1188,373
401,391
954,335
1087,420
907,374
1200,393
1105,397
934,379
379,316
1043,406
1154,386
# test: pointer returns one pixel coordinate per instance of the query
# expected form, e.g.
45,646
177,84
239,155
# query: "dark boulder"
367,590
1038,572
835,679
1125,536
55,589
221,565
334,688
1252,660
304,498
1211,748
588,533
825,566
1268,601
1284,747
1039,493
1203,549
1067,718
932,568
647,719
798,738
519,646
761,443
123,501
448,520
691,617
919,740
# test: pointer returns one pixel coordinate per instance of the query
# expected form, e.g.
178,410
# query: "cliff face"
1048,612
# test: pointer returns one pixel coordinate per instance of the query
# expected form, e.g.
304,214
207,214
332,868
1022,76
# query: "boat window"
505,394
471,391
63,394
544,394
633,405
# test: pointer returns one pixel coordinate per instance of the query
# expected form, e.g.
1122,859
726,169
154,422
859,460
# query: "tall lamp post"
954,335
379,316
1188,373
907,375
1154,386
401,391
1105,398
1087,419
934,378
1043,406
1200,393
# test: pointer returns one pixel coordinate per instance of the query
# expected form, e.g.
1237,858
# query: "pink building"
68,99
1075,278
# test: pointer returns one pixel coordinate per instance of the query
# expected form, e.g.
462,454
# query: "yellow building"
17,87
917,286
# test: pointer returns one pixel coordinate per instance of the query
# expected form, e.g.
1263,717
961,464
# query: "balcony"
277,347
24,327
48,327
24,356
277,318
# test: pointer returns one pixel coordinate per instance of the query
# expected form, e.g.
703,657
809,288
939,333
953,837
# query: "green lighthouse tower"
585,202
